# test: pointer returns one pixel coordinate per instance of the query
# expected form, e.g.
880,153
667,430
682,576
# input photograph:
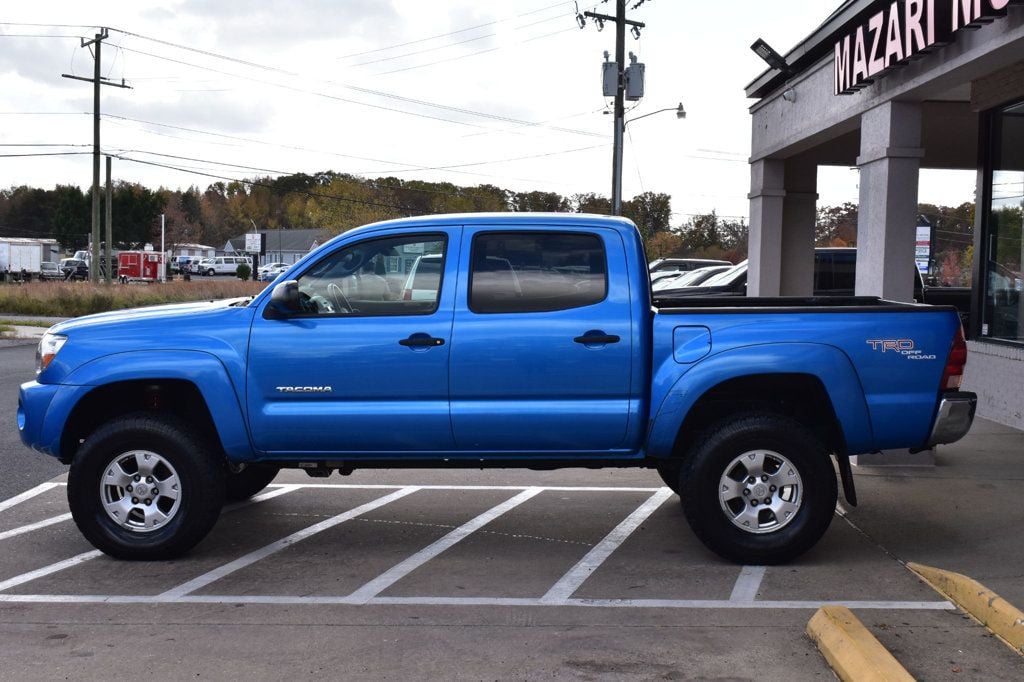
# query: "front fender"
829,364
204,370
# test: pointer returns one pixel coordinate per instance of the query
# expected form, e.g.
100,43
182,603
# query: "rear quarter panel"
881,369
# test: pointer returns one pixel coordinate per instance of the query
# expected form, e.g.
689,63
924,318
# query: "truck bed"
845,304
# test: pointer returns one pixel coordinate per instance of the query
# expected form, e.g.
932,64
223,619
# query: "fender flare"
203,370
830,365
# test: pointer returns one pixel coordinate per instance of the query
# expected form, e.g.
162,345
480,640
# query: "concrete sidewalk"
964,514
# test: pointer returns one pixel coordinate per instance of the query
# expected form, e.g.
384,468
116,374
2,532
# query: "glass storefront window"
1003,314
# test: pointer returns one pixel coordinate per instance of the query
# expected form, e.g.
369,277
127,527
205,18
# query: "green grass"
72,299
4,329
27,323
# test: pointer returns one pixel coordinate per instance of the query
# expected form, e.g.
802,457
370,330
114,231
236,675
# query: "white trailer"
17,254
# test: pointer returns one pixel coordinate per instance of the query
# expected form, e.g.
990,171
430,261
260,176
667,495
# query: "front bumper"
954,418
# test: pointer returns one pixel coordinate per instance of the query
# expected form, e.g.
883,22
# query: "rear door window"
536,272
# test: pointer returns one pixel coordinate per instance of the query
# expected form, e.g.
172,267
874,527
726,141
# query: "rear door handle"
421,341
594,338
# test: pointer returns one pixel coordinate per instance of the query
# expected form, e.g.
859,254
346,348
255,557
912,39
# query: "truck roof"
510,218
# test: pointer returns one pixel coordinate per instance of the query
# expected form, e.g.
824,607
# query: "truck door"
362,370
541,348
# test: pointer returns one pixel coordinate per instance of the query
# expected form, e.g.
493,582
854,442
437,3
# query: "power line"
363,90
474,54
38,25
39,144
409,167
451,33
448,45
37,35
16,156
301,90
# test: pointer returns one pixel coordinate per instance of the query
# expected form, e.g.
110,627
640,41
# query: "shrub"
243,271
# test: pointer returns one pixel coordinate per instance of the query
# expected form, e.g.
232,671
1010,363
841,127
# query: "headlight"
48,348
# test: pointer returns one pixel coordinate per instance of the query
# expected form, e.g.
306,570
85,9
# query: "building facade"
892,87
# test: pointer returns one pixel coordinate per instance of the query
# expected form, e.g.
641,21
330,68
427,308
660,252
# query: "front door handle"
593,338
421,341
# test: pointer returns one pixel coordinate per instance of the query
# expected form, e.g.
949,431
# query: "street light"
617,154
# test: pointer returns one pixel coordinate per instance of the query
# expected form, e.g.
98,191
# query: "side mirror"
285,298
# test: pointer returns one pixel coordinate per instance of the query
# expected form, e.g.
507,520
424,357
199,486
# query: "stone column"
799,215
889,162
767,194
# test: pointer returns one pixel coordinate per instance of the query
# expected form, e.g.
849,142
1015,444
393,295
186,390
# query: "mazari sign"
903,30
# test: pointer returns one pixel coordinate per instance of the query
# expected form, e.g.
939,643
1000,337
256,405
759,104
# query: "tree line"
336,202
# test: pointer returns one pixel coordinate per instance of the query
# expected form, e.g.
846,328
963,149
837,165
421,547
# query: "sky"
501,93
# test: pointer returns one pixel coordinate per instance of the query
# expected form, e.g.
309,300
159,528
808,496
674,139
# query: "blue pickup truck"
489,340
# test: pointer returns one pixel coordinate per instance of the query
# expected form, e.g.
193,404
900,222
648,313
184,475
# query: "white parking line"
269,495
34,526
262,553
86,556
747,584
400,570
27,495
472,601
47,570
572,580
397,486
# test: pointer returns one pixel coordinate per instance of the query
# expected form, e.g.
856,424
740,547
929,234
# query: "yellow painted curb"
853,652
1001,617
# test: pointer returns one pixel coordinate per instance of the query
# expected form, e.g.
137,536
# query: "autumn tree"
650,211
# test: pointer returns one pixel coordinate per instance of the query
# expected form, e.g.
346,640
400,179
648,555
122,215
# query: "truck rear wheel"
144,486
758,489
248,482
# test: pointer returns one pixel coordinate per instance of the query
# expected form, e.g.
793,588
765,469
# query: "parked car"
73,268
270,271
740,406
691,278
834,275
223,265
50,270
185,264
683,264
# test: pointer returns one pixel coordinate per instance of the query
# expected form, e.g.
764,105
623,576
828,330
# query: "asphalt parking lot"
571,574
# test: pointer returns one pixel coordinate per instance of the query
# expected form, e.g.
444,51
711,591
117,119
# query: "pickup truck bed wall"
882,397
538,346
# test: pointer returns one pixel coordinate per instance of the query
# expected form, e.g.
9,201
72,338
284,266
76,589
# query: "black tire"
702,476
668,469
109,451
248,482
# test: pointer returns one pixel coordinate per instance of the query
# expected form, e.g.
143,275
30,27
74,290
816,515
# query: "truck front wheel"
758,489
144,486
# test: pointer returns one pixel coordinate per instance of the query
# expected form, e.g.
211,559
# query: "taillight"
955,362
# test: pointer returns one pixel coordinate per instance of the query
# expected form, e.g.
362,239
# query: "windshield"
726,277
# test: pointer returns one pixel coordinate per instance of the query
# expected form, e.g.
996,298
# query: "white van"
223,265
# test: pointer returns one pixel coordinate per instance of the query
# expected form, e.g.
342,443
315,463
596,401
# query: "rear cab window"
522,272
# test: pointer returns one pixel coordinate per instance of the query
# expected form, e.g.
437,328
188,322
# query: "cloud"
215,112
276,21
44,60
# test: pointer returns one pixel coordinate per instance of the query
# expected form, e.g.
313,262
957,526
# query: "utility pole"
620,22
97,80
110,236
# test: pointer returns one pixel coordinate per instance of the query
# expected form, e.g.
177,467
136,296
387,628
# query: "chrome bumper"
954,418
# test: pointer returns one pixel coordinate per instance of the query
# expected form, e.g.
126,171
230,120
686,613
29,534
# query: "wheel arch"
192,385
812,383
